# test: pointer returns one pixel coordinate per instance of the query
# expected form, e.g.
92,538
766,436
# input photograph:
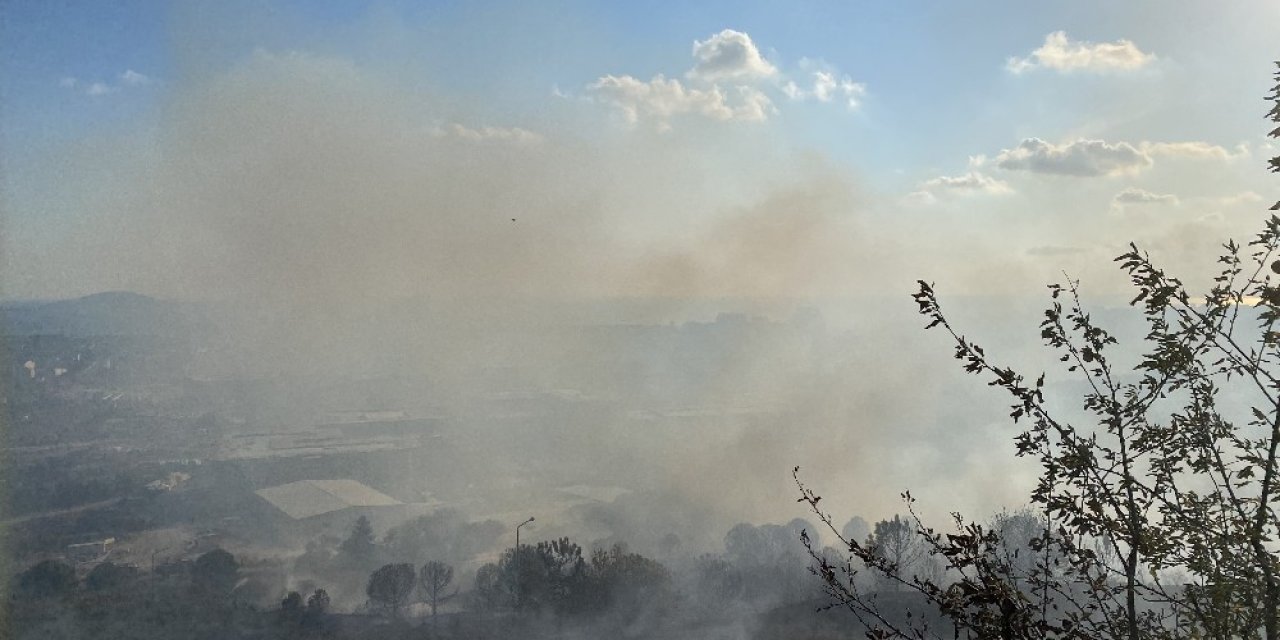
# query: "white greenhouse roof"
307,498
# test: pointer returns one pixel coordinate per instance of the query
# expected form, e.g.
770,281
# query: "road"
61,512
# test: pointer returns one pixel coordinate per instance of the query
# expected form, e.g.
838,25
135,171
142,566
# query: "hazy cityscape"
579,320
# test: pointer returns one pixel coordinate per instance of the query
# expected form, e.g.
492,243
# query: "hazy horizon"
625,265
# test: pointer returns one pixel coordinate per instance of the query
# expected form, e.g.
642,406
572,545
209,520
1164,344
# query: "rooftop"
307,498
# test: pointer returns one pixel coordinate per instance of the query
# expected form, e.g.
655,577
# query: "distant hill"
109,313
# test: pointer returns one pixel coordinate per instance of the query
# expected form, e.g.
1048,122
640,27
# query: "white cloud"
827,85
729,81
1061,53
660,99
100,89
972,183
919,198
514,135
1078,158
969,183
133,78
1101,158
1134,195
1193,150
753,105
729,55
128,78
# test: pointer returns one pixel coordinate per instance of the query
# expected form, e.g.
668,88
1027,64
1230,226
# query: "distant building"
310,498
308,508
87,552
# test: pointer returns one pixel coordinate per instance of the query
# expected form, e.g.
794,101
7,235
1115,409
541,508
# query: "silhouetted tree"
303,619
108,576
216,571
292,602
318,603
494,587
434,578
1021,537
718,578
359,547
856,529
390,587
769,558
47,579
291,612
550,576
445,534
620,578
317,611
895,542
555,580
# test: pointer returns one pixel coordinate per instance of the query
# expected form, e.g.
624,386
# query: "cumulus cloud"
972,182
514,135
919,198
1078,158
1134,195
1194,150
128,78
100,89
1061,53
826,86
133,78
729,81
660,99
753,104
1090,158
729,55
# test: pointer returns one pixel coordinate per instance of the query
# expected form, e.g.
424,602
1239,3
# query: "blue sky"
886,136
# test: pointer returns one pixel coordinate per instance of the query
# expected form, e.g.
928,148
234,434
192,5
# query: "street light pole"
517,559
